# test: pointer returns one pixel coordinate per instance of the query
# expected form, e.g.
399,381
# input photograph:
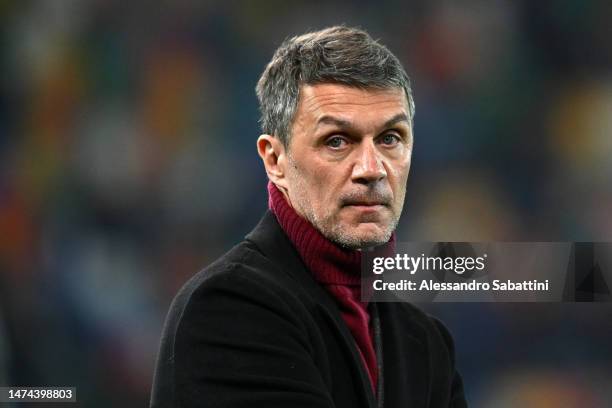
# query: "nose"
369,167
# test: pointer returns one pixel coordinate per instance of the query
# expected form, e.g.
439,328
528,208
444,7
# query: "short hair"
339,54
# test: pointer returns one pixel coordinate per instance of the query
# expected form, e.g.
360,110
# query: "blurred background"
127,163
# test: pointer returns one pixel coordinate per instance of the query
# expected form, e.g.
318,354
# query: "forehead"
365,104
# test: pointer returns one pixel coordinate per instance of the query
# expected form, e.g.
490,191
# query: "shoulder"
223,321
243,292
243,275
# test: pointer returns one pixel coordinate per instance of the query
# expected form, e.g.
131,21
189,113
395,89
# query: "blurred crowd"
128,162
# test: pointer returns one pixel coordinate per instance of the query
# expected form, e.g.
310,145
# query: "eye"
336,142
389,139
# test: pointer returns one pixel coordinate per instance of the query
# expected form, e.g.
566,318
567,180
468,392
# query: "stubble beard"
342,235
331,227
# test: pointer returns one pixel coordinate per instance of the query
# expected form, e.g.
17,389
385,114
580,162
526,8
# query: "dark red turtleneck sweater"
335,268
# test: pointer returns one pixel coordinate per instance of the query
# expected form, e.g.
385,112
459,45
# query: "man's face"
348,161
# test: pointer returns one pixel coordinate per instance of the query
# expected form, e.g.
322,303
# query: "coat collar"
407,367
272,241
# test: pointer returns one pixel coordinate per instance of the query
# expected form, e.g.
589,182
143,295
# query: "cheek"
314,183
322,186
400,171
398,183
322,177
405,172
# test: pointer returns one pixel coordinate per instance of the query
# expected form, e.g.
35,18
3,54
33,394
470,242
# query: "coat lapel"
274,243
406,363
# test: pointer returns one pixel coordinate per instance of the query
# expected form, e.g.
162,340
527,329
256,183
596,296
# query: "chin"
356,234
375,239
369,234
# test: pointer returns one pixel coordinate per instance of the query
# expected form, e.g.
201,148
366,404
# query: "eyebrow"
330,120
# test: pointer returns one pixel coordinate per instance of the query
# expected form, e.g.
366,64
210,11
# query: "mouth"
367,209
366,206
365,203
371,204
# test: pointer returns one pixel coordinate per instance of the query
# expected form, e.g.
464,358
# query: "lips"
366,204
372,199
366,211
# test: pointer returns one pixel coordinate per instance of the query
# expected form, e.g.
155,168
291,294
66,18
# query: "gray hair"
339,54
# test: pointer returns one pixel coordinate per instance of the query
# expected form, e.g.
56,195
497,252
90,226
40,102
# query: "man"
279,321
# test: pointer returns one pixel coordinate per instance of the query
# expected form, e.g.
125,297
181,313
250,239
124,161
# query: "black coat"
254,329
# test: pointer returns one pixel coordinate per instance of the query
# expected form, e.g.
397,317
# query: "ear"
272,153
